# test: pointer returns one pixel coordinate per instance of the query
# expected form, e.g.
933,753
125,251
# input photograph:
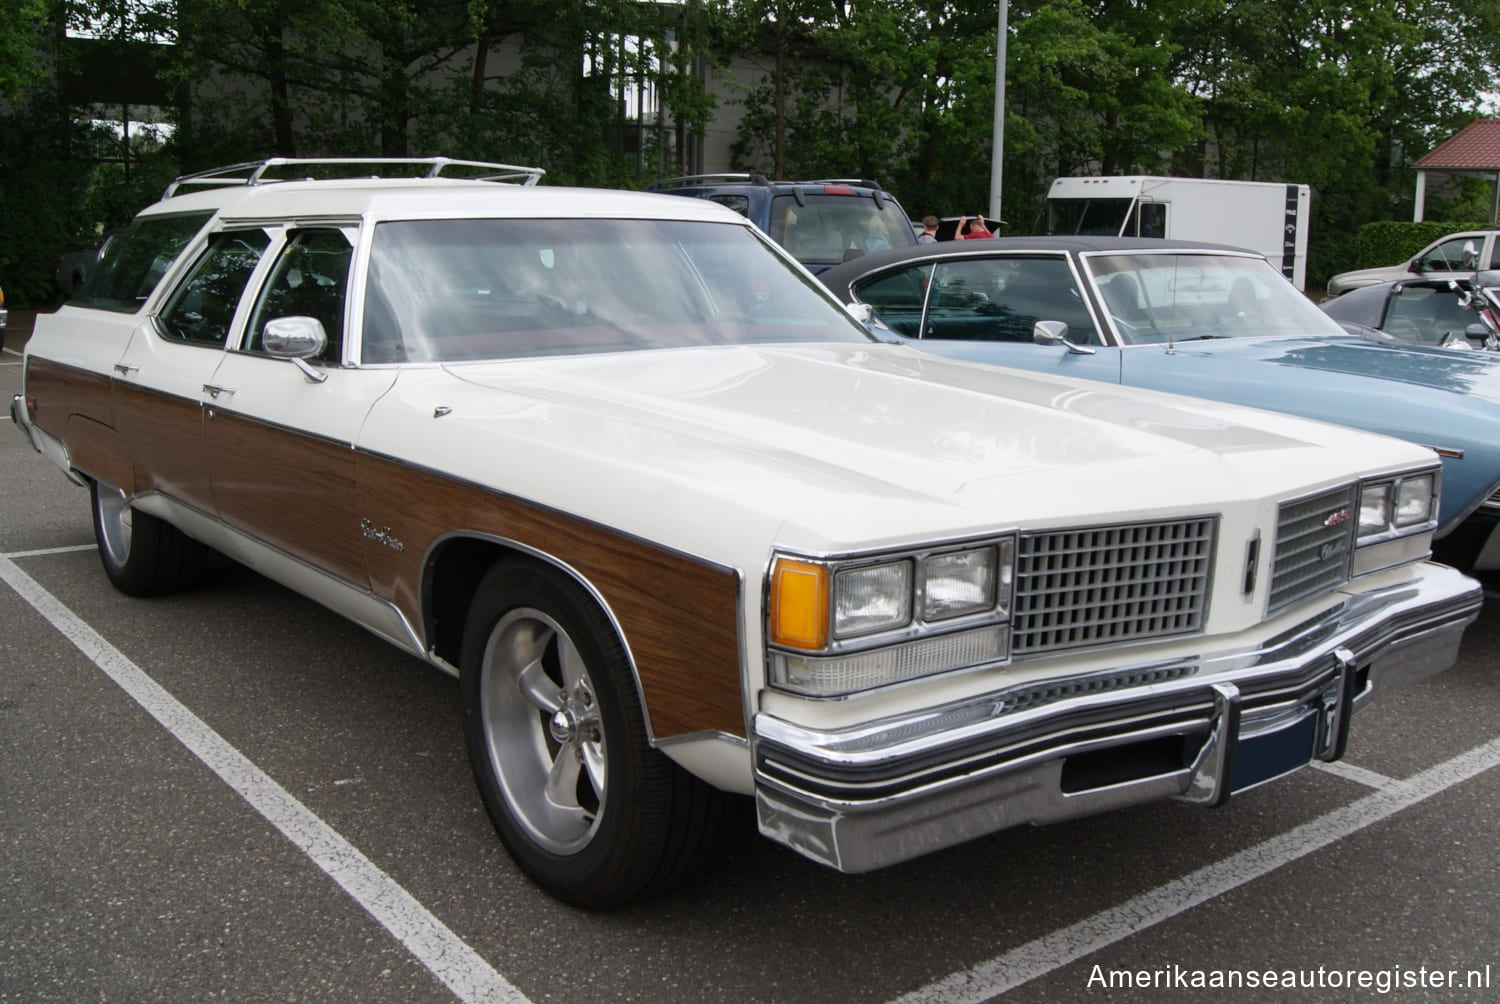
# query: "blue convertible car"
1198,319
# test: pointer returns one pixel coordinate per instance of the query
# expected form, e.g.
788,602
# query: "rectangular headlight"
959,583
872,598
1414,501
1374,508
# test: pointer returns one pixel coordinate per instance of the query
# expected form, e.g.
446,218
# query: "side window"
1153,219
135,261
739,203
1494,254
310,279
202,307
897,298
1451,256
1001,299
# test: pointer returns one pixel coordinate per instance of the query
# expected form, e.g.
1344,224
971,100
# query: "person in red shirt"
977,228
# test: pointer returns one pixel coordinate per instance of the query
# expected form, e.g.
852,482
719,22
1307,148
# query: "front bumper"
884,792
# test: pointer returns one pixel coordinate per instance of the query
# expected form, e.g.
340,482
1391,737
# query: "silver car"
1456,256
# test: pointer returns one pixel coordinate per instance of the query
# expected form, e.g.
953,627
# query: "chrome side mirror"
1056,333
296,338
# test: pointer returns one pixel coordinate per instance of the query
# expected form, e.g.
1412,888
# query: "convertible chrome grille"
1314,546
1099,585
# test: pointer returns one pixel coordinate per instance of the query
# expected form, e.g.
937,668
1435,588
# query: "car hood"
1367,276
1450,372
848,444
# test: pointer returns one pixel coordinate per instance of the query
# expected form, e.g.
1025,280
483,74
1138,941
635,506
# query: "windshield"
829,229
1091,217
465,289
1180,297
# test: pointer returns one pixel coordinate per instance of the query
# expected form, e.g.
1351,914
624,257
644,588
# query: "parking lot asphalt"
232,794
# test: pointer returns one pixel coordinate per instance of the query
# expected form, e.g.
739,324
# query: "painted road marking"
460,968
1069,944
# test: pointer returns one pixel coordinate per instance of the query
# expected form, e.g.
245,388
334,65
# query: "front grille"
1314,546
1100,585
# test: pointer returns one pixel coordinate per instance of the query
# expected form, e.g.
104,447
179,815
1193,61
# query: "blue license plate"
1272,754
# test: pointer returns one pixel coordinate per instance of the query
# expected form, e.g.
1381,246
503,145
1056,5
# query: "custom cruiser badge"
382,534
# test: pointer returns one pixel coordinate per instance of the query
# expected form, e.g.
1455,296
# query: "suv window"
739,203
829,229
135,261
202,307
1456,255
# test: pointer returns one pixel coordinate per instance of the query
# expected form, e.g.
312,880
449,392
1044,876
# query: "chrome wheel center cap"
563,726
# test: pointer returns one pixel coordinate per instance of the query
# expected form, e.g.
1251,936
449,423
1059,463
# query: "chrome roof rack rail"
255,172
706,179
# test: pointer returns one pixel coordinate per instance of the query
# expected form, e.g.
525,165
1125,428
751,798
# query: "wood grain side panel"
62,392
680,616
293,491
165,435
99,451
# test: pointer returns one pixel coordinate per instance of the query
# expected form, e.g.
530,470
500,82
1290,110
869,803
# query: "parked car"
684,531
1456,256
820,222
76,266
1199,319
1454,313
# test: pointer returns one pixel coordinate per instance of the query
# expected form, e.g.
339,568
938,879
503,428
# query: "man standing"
929,230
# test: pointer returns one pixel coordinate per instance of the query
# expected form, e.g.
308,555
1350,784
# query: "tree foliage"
1338,95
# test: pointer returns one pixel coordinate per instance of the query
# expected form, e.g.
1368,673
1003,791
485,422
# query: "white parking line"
1349,772
45,551
434,945
1069,944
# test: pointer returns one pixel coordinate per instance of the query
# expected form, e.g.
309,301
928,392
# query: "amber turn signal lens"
799,604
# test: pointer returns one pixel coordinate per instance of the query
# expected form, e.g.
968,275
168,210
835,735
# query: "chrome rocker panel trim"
885,792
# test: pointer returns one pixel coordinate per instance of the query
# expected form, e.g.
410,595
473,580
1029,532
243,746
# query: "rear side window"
135,261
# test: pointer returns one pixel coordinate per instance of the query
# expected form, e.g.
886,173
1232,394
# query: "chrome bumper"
884,792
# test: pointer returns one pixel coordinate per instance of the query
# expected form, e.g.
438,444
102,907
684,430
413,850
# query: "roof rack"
706,179
254,172
857,182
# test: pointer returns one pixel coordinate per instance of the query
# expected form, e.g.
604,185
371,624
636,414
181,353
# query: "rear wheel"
558,745
141,554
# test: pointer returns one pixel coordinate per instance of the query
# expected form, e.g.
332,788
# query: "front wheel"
558,745
141,554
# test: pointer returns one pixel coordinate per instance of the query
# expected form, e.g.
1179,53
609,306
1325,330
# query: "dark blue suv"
821,223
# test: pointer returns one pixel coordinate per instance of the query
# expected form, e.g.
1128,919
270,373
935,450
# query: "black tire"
142,555
550,702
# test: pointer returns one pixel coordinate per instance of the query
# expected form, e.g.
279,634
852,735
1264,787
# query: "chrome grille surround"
1102,585
1314,546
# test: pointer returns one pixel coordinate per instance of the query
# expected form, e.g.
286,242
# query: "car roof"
454,198
850,270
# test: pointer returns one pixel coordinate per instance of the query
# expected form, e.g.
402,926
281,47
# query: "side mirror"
1056,333
297,339
863,312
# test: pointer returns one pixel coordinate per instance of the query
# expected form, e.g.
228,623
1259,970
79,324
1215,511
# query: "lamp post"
998,144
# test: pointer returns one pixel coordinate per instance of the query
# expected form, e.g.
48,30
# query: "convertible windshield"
466,289
1180,297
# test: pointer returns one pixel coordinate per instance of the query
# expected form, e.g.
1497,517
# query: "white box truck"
1267,217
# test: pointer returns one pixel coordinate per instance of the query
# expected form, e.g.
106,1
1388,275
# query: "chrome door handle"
125,369
214,390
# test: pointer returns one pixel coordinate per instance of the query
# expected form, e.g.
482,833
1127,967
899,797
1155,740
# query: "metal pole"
997,152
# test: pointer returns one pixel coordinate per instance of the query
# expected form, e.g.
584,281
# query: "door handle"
214,390
125,369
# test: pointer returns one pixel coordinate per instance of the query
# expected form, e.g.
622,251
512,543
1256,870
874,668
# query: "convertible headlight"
1396,515
835,626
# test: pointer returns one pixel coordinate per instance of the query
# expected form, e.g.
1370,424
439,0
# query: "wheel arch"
457,562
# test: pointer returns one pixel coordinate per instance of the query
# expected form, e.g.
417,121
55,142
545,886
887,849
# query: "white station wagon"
685,533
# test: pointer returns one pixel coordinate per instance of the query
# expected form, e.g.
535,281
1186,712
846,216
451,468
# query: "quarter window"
1001,299
134,262
202,308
